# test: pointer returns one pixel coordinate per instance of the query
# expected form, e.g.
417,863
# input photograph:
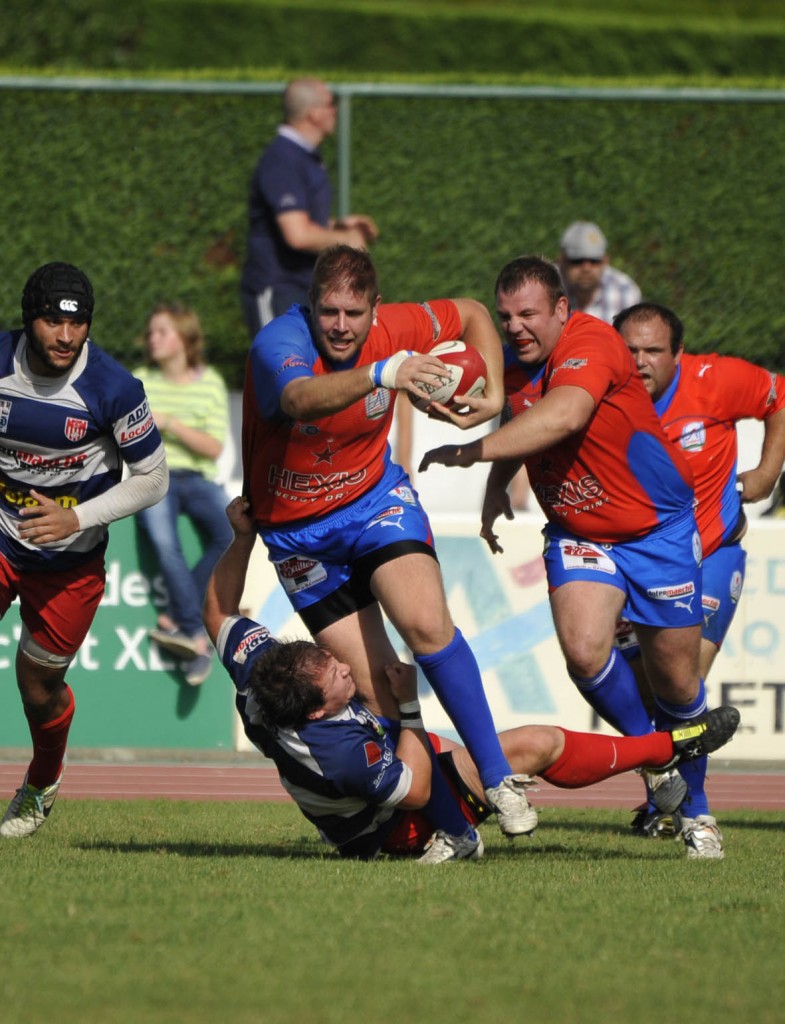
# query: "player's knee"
586,658
429,633
33,652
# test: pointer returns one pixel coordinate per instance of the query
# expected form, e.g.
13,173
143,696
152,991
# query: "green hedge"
379,39
148,194
147,190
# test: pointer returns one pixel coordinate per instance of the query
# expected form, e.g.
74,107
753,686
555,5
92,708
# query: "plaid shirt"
617,291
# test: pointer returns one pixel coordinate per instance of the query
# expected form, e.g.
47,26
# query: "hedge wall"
147,191
632,38
148,194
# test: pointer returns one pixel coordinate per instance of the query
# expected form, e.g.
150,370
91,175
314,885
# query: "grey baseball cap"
583,240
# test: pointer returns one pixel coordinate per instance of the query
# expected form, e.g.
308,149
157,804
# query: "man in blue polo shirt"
290,206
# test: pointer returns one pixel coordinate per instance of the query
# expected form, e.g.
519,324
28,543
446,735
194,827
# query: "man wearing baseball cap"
592,285
70,419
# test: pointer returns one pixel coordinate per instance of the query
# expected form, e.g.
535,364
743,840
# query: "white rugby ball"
466,375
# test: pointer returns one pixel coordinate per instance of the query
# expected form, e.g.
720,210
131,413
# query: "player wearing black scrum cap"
70,417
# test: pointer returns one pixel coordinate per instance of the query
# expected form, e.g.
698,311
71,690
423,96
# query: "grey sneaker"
515,815
29,809
198,669
666,789
702,838
175,642
442,847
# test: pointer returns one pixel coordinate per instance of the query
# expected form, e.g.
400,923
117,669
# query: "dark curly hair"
282,681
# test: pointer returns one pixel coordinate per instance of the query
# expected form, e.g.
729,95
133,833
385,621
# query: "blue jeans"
204,502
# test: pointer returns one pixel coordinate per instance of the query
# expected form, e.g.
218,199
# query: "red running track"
727,790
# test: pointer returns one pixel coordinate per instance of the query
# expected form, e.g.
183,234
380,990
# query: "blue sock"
614,695
443,809
669,716
455,679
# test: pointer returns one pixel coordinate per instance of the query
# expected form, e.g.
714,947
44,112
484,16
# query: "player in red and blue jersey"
699,400
70,419
362,779
621,533
341,522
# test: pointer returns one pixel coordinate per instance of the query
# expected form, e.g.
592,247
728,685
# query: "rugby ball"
467,374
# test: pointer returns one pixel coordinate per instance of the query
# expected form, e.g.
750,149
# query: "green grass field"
161,911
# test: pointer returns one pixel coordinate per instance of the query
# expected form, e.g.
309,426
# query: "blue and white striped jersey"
341,771
66,437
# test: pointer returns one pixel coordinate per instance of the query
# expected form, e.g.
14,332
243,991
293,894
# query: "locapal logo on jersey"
137,423
249,643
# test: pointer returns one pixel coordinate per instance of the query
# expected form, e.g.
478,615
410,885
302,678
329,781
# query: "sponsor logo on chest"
693,436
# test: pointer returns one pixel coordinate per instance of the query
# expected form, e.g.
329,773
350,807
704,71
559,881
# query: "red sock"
592,757
49,742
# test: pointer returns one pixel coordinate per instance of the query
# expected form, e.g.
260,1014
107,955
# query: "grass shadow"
185,849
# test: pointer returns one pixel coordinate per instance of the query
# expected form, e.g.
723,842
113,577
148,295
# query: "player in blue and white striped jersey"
71,418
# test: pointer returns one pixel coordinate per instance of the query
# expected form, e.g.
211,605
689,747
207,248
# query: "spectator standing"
190,406
591,284
70,418
289,208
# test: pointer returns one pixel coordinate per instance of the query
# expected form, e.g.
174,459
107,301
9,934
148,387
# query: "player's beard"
54,369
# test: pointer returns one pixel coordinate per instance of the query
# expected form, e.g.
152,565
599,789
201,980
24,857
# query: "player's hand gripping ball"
467,376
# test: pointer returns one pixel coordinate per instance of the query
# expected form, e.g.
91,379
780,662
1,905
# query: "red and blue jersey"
298,470
522,385
619,476
699,412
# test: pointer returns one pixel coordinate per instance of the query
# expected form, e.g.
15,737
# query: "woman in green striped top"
190,406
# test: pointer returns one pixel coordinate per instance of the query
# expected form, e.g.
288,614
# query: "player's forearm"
311,398
773,449
227,583
560,414
413,747
138,491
